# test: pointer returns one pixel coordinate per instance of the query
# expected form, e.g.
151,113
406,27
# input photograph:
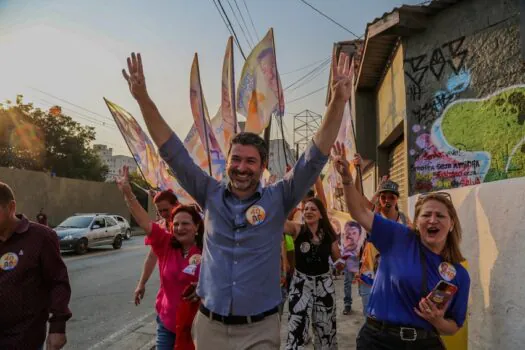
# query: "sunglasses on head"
442,194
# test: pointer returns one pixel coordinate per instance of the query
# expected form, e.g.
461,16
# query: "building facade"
114,163
440,105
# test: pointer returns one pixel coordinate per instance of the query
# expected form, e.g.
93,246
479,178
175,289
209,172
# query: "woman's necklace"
185,252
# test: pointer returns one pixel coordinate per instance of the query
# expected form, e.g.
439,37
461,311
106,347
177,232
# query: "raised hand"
358,161
135,78
122,180
341,83
341,163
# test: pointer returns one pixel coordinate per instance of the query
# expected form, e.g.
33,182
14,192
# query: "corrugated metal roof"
383,33
427,7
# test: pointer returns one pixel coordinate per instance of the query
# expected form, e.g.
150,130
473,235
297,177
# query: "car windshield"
76,222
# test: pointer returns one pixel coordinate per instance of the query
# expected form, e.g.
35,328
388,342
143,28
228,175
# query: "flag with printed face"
153,168
332,183
203,125
259,93
224,123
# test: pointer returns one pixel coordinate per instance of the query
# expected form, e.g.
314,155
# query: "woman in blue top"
412,264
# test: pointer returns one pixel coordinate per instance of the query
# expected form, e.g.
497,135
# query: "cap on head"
389,186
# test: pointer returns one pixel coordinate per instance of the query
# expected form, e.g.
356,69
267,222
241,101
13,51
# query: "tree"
50,141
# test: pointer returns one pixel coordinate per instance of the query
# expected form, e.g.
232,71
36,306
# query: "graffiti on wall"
451,54
473,141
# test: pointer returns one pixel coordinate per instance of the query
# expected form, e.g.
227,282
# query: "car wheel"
128,234
82,246
117,243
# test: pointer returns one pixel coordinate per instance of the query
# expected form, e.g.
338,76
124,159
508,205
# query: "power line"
303,68
82,116
309,79
222,17
330,19
231,27
313,71
70,103
251,20
246,37
243,21
304,96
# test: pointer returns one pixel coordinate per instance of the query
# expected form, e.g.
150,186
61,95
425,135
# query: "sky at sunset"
71,52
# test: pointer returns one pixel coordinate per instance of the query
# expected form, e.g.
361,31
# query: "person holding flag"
240,271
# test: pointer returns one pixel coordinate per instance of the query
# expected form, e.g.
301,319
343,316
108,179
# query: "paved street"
104,316
102,284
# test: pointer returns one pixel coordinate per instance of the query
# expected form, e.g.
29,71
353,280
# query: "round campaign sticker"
255,215
8,261
195,259
305,247
447,271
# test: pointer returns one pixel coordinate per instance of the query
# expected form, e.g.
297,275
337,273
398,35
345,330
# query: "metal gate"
397,169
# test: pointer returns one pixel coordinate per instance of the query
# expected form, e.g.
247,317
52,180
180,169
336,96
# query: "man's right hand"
135,78
139,293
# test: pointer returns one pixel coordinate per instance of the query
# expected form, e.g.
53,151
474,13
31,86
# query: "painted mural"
458,141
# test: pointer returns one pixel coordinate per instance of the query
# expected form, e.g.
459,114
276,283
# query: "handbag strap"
424,280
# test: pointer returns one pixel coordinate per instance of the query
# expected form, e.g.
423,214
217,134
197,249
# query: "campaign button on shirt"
447,271
8,261
305,247
255,215
195,259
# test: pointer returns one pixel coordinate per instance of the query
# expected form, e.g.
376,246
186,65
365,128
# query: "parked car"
83,231
125,227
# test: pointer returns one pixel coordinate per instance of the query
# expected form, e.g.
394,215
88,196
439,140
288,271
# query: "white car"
125,228
83,231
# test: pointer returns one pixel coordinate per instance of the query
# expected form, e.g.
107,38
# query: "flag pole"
232,88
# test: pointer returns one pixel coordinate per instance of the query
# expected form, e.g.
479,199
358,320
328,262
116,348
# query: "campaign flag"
259,93
154,170
203,125
224,123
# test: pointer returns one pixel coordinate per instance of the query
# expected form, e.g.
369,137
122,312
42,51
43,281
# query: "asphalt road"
102,283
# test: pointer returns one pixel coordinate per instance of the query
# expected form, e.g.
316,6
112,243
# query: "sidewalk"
347,325
142,337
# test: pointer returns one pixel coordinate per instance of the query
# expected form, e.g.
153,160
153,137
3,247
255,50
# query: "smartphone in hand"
442,294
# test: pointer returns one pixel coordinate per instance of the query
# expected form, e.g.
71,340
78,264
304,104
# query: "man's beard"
249,182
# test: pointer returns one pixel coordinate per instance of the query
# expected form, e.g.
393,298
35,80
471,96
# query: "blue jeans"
349,277
364,292
165,337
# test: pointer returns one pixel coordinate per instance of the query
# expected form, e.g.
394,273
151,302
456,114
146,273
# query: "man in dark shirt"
33,282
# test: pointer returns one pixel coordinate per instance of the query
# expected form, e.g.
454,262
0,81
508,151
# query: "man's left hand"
56,341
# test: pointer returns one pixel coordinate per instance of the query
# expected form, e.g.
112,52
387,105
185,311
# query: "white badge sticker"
190,269
447,271
305,247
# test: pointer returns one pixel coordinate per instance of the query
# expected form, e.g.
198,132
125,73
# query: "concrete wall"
465,90
465,93
61,197
492,218
391,102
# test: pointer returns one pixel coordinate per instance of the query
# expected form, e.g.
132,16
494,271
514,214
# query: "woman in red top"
179,256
